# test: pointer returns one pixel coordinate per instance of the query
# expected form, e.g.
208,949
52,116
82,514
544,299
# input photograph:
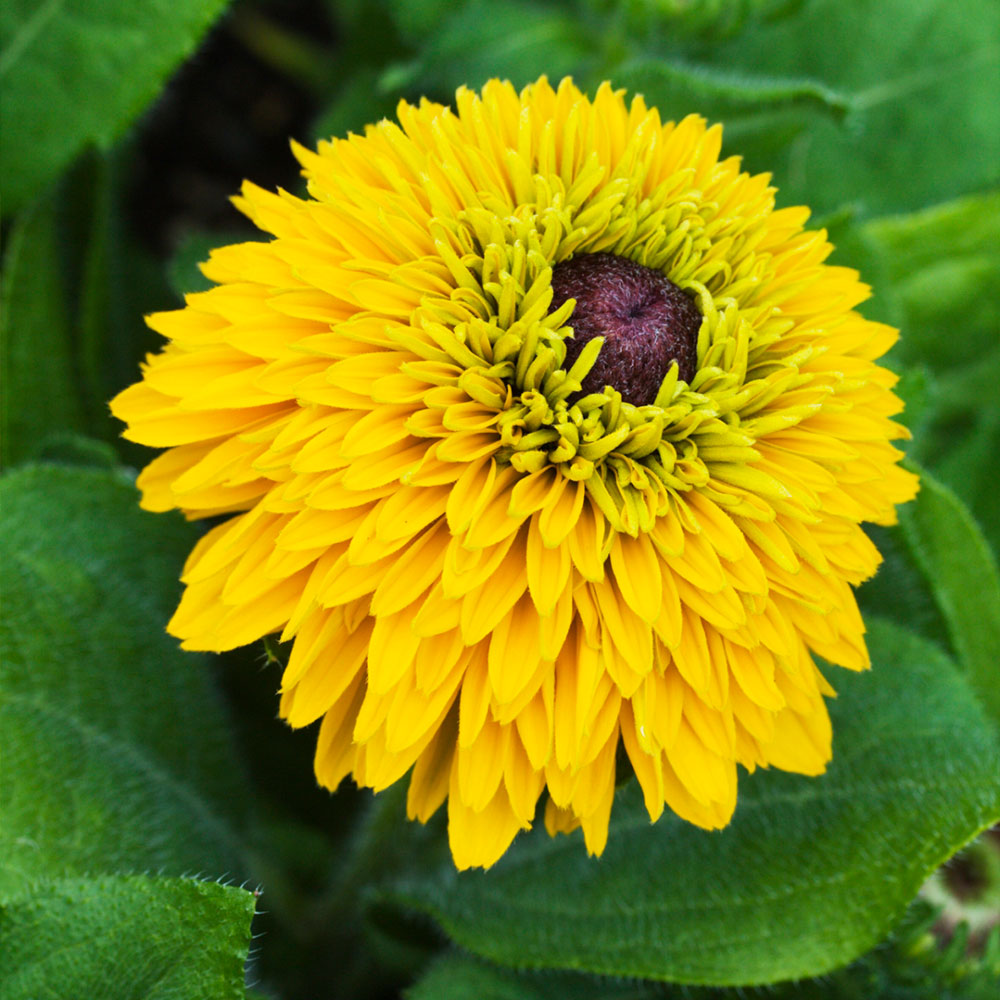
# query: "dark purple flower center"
646,321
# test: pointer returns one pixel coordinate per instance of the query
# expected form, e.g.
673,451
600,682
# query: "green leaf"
712,18
75,449
112,282
418,19
40,396
359,102
899,591
963,452
721,93
74,291
920,80
961,572
763,116
963,228
130,937
936,271
76,72
457,976
117,756
183,270
910,965
811,872
509,39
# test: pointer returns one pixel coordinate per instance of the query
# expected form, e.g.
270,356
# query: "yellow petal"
475,700
707,777
638,575
548,570
406,577
514,652
484,607
534,723
335,750
631,636
801,743
415,714
710,816
432,774
325,680
524,783
408,510
480,765
560,515
478,839
586,543
647,765
391,650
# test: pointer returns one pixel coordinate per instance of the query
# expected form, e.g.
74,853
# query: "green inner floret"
497,326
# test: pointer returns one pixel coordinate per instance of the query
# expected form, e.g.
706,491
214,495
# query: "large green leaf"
457,976
908,966
680,87
707,18
116,753
39,392
917,78
126,938
961,572
811,872
75,72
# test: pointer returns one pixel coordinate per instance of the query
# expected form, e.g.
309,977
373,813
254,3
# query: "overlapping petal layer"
487,581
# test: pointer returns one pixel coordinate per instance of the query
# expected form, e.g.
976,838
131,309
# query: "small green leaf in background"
126,938
419,19
184,272
964,455
74,290
75,72
940,269
359,102
76,449
523,40
40,393
935,274
961,572
899,591
117,756
810,873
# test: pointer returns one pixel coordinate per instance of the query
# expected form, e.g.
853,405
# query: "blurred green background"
125,126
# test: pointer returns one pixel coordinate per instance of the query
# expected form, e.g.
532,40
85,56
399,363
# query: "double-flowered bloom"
492,576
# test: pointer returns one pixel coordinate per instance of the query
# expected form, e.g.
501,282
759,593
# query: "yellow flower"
492,577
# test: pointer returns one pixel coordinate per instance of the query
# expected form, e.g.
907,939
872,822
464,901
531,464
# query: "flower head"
495,565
